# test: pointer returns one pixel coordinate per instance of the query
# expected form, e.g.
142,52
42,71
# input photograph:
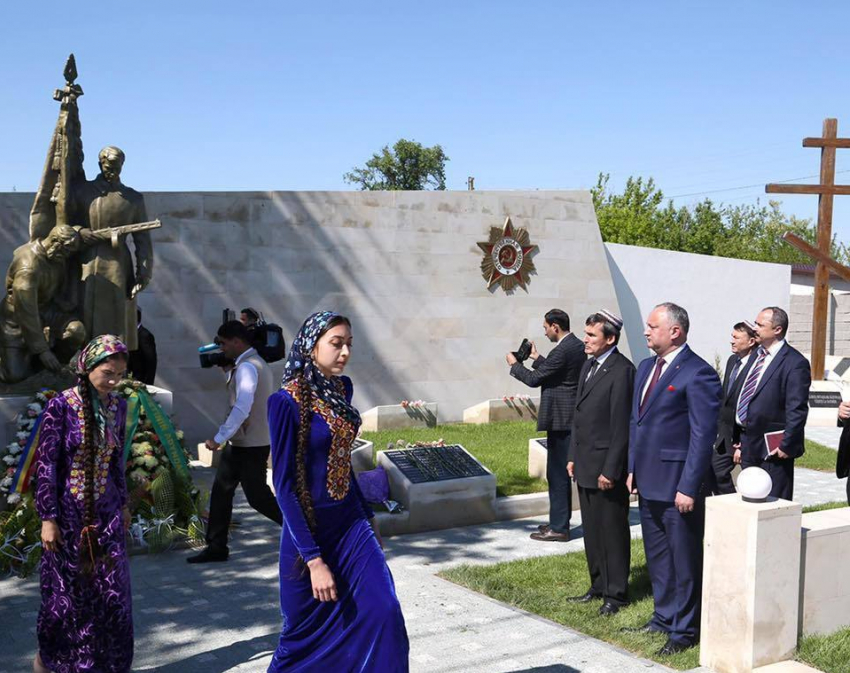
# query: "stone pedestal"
435,505
10,407
209,458
396,417
490,411
537,465
362,456
824,583
163,397
751,583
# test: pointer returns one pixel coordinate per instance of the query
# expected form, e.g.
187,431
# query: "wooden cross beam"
826,190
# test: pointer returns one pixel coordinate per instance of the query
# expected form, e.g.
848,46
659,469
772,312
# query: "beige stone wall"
403,265
838,324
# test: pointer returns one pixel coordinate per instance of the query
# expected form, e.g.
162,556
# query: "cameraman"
557,378
246,432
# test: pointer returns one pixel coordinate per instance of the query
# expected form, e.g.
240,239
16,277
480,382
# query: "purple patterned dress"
84,625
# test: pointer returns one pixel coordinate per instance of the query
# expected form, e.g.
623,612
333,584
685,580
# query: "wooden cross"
826,190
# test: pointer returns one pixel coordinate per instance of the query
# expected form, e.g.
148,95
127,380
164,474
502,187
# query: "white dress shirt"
246,385
599,361
668,360
775,347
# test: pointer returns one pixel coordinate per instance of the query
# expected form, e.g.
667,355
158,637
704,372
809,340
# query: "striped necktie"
592,371
736,368
750,384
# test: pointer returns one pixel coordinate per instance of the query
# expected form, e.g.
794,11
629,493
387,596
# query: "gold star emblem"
507,257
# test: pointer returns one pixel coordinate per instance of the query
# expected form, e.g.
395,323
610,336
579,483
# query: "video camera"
266,338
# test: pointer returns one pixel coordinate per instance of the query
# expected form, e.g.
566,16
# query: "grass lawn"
817,457
501,447
838,504
542,585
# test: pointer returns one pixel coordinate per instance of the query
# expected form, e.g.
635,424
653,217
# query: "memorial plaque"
824,399
359,444
435,463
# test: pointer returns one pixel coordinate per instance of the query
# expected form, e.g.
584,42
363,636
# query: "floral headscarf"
97,350
301,360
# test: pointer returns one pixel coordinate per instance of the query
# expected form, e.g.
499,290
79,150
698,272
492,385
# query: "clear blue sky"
251,95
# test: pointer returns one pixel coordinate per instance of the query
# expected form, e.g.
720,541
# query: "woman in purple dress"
85,623
337,597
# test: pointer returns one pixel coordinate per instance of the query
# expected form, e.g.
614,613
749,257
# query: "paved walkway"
224,617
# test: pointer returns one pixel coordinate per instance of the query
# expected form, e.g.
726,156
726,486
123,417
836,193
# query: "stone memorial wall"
404,266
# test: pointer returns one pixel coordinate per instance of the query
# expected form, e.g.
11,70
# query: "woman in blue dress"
337,597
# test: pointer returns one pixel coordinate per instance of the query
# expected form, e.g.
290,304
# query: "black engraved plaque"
435,463
824,399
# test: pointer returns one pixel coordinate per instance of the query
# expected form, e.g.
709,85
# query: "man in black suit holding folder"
598,460
774,403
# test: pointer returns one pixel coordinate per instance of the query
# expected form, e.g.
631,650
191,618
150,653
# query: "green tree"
408,165
639,216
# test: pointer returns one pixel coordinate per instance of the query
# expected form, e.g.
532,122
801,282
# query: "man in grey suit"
557,377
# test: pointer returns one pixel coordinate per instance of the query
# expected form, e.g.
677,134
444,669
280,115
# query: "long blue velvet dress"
364,629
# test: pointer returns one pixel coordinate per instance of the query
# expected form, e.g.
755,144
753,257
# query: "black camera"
266,338
524,351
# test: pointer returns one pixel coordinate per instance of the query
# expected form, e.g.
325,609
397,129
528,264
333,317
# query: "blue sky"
702,96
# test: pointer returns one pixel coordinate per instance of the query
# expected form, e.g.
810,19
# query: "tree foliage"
408,166
639,216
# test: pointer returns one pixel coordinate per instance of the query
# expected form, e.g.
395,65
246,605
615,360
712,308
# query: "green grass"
501,447
542,585
817,457
829,653
838,504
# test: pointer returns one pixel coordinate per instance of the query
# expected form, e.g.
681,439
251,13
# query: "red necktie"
659,363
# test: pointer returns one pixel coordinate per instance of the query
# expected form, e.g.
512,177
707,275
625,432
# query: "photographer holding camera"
246,433
557,377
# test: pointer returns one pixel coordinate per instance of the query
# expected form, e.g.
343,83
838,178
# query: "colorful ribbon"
26,465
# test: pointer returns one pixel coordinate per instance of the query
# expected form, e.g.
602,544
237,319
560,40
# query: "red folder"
773,442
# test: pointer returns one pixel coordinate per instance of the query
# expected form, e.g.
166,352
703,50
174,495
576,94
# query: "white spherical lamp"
754,484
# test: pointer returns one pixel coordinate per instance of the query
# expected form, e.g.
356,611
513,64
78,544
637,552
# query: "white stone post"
751,583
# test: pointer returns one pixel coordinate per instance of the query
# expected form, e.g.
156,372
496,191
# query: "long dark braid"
305,412
90,549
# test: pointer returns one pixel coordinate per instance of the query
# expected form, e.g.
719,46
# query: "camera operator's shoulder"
349,388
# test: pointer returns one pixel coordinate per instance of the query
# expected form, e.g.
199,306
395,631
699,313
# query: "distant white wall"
717,292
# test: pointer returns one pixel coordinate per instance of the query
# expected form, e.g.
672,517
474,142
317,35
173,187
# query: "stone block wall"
404,266
838,324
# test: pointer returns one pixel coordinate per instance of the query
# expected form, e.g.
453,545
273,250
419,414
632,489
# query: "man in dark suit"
599,451
842,460
557,377
672,432
727,447
143,360
775,398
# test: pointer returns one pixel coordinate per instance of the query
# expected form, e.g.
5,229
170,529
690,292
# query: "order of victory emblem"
507,258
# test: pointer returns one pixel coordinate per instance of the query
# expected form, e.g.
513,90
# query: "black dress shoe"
584,598
208,556
672,647
608,608
649,627
551,536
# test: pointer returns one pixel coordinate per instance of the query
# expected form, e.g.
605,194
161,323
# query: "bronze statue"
110,283
38,326
76,278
